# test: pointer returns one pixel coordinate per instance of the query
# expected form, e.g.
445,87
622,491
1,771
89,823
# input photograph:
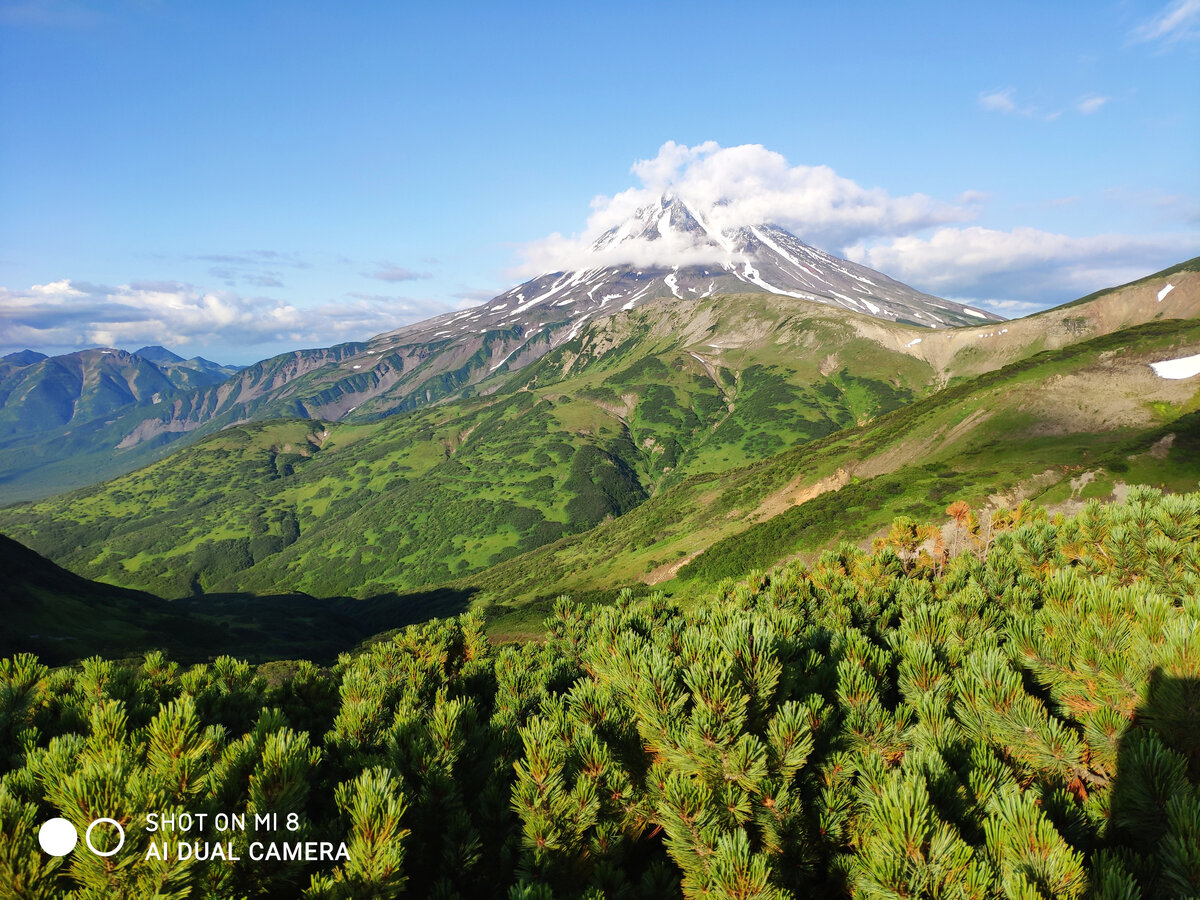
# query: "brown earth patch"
1162,447
796,492
667,571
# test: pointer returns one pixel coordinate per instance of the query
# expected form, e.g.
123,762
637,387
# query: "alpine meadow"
372,527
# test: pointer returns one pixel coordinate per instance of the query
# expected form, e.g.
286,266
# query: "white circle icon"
58,837
87,837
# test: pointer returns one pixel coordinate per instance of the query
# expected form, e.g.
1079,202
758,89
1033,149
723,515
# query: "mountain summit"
669,248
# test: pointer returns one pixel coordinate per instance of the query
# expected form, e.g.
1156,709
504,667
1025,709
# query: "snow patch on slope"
1184,367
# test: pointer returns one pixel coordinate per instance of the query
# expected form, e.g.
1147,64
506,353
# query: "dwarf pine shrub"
1007,709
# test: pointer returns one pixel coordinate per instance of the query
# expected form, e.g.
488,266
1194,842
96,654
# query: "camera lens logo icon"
58,837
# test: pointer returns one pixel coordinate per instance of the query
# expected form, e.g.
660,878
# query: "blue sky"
237,179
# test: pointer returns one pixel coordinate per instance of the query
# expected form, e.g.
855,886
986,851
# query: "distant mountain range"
74,419
39,392
61,416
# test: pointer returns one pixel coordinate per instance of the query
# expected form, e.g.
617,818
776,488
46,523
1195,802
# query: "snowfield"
1184,367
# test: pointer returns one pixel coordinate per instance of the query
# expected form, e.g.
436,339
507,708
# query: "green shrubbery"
1008,708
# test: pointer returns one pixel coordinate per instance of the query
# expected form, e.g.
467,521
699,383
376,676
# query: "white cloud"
55,289
1024,265
974,198
392,272
1005,102
560,254
63,315
999,101
256,268
743,185
1179,21
1091,104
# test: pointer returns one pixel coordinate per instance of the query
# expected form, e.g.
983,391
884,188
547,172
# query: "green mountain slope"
132,431
40,393
625,453
357,381
64,618
1063,425
60,616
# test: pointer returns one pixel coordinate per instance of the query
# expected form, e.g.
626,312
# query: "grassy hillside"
1027,430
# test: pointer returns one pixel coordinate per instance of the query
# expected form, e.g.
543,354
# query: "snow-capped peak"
674,248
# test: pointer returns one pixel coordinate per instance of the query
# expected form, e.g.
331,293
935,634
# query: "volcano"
669,248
